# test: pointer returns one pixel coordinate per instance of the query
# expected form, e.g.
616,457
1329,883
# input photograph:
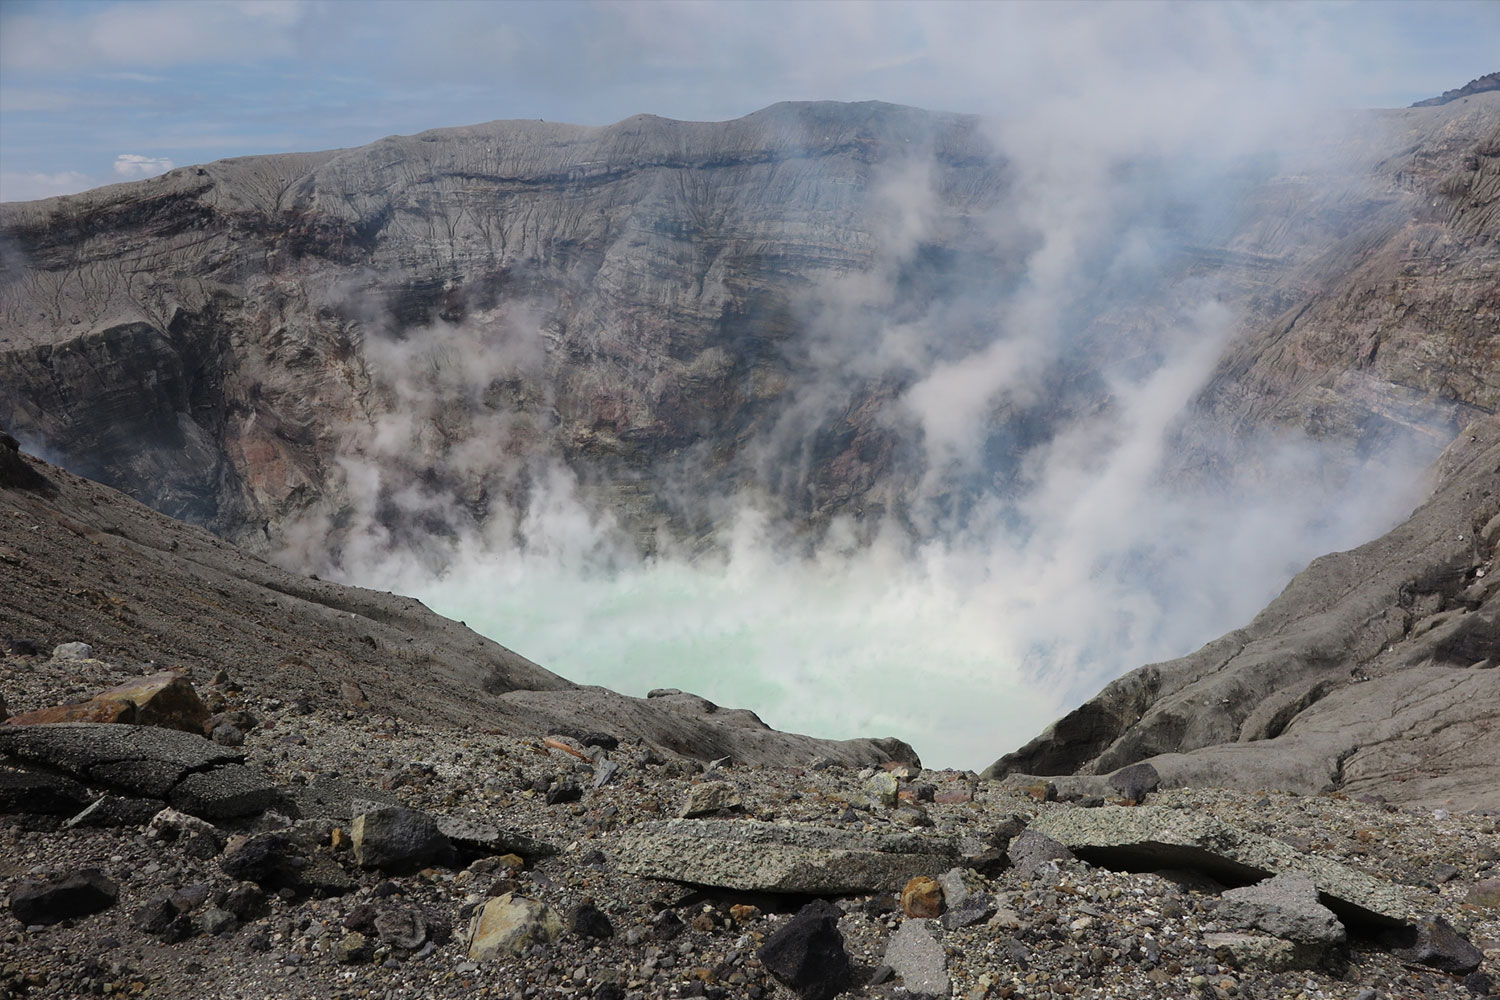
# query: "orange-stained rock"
93,710
922,897
166,700
353,694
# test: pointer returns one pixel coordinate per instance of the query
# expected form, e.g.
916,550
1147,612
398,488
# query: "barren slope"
79,561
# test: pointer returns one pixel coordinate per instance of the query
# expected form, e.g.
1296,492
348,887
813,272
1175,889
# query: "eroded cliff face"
1374,672
205,340
238,343
1397,316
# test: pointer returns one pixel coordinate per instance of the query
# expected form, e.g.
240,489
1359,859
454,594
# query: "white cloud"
140,36
18,186
133,166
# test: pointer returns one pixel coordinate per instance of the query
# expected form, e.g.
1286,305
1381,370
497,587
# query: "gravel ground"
1079,931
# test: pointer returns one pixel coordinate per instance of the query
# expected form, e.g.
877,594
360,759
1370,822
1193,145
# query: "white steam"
1010,574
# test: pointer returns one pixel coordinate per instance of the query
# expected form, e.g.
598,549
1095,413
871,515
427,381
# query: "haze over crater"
858,415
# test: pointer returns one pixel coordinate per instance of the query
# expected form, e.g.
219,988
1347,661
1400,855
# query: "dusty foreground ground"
1040,927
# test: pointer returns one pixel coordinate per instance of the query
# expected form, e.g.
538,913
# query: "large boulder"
394,838
166,699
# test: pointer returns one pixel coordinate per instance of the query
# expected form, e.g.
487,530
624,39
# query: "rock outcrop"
1372,673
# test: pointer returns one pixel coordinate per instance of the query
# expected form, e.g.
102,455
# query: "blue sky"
97,92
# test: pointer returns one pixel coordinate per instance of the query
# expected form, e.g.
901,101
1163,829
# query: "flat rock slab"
917,956
331,798
480,835
1268,954
223,792
1286,906
79,747
29,792
197,775
779,857
1148,838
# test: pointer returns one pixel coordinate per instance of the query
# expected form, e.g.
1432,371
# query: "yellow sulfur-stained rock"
509,925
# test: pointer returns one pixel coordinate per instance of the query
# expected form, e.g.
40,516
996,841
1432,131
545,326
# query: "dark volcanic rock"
74,895
808,955
116,810
271,860
587,920
226,791
1434,942
1135,781
34,792
974,910
141,759
194,774
395,838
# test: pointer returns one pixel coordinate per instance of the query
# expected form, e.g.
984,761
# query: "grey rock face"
1146,838
1286,906
1135,781
1343,682
83,748
1270,954
1033,849
918,958
701,236
481,835
773,857
230,790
